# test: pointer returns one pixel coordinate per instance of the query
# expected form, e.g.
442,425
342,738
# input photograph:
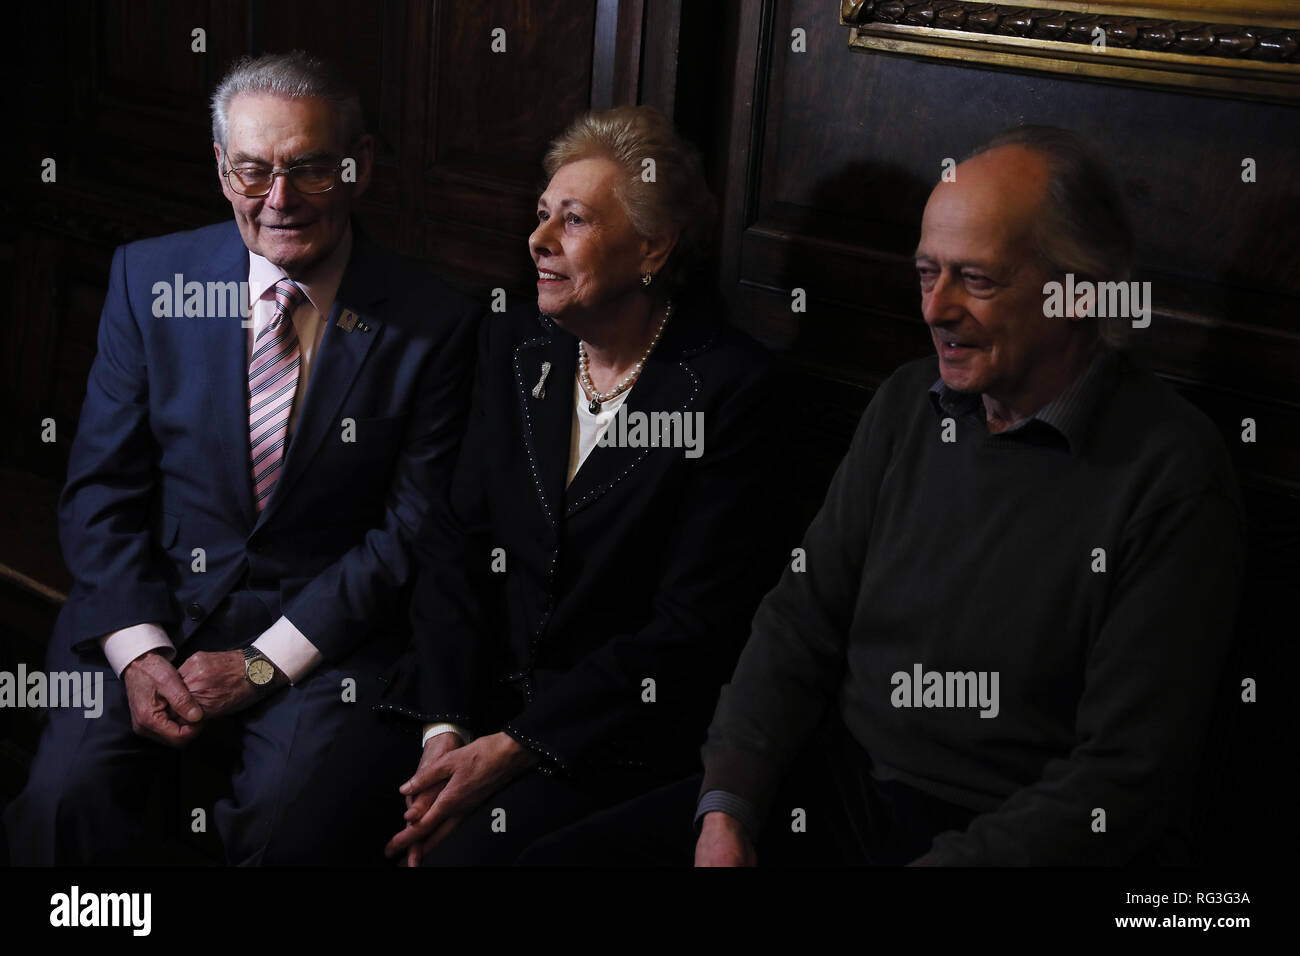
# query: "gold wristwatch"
258,669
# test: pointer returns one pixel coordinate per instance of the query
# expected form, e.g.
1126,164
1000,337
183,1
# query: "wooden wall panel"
144,112
498,108
487,119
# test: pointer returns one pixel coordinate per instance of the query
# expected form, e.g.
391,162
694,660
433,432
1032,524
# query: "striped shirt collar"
1069,414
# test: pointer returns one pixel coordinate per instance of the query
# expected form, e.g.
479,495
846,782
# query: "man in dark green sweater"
1003,638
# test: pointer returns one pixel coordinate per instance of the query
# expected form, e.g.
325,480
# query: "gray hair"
1083,227
677,198
294,75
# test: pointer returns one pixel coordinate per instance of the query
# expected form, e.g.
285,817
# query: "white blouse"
587,428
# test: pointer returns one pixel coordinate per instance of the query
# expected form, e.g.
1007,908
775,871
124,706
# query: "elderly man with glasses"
242,493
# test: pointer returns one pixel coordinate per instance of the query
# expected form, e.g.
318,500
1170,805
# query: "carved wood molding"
1246,60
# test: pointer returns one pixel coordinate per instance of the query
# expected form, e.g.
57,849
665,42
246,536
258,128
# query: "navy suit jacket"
159,466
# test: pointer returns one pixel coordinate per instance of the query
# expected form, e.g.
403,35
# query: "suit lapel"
341,356
667,384
224,355
547,420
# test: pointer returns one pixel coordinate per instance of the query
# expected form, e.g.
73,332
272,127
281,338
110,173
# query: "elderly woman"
609,532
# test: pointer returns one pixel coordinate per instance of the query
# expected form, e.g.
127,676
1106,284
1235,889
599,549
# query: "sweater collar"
1069,415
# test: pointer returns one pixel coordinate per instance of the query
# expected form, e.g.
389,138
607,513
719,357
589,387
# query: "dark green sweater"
978,555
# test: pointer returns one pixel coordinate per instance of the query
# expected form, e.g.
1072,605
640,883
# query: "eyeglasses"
256,181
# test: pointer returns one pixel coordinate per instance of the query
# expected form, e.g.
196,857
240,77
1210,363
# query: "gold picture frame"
1241,48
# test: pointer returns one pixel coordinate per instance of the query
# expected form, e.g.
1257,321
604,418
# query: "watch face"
260,672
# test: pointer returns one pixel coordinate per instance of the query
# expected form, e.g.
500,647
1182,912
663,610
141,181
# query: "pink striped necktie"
272,382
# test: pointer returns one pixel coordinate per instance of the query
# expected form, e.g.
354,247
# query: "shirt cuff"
433,730
289,650
125,645
732,805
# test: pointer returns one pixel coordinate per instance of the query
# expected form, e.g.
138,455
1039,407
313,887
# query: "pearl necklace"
584,377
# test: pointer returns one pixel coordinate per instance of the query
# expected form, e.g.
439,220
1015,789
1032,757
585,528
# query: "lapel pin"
363,327
539,390
348,321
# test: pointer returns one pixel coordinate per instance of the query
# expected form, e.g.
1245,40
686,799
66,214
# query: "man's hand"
460,779
162,707
218,683
723,842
